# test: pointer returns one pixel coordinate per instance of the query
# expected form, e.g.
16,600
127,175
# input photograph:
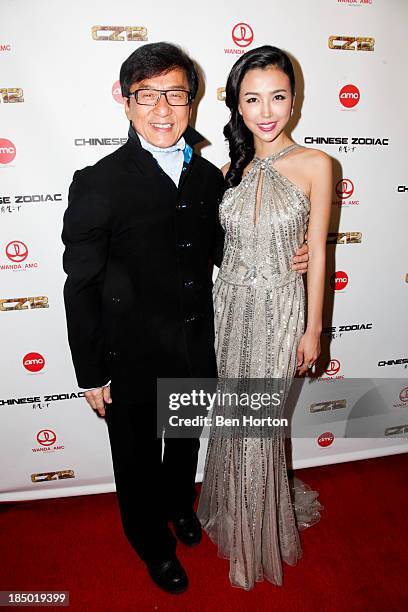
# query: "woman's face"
265,103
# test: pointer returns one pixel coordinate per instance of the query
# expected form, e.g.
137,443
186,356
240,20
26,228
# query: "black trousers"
151,489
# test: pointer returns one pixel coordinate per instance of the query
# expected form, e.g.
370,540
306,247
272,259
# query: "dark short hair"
153,59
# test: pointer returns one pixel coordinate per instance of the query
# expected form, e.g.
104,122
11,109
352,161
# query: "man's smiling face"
162,125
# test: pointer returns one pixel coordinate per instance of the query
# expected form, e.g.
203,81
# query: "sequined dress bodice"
260,254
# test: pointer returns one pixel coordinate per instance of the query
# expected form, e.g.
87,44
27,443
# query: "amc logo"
117,92
5,48
325,439
129,33
33,362
326,406
349,96
11,94
351,43
7,151
339,280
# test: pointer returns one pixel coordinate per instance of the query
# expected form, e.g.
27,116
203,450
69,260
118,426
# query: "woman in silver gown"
276,191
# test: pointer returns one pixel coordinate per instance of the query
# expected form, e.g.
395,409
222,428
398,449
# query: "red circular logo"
344,188
404,394
7,151
349,96
339,280
325,439
333,367
33,362
242,34
16,251
46,437
117,92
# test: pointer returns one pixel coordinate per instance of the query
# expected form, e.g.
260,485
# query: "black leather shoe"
188,529
169,575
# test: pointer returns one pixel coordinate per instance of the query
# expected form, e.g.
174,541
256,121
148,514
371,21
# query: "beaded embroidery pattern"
259,302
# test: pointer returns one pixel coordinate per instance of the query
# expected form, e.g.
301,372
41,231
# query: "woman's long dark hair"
240,138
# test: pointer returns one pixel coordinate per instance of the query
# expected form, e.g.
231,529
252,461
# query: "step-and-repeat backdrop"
61,109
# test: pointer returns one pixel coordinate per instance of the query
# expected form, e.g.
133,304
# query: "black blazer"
138,257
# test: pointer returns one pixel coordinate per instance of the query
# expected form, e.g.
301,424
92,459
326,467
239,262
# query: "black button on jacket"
138,257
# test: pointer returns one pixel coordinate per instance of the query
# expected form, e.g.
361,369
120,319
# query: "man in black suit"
141,232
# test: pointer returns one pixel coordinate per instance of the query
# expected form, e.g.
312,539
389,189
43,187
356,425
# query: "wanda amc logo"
7,151
333,367
325,439
404,395
33,362
117,92
46,437
349,96
344,188
16,251
339,280
242,34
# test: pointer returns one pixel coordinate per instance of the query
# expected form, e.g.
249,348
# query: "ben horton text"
213,401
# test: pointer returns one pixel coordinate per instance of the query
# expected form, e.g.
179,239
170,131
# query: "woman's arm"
320,168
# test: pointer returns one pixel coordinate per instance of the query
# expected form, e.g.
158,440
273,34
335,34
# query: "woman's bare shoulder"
313,162
314,156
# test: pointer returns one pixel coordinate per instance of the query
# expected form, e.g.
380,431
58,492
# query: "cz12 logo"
11,94
351,43
325,406
344,238
59,475
396,430
24,303
129,33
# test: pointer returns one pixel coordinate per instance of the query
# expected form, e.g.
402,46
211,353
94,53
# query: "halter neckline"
276,155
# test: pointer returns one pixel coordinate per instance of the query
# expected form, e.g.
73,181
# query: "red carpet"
355,559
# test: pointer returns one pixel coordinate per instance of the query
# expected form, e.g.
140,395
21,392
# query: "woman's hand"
308,351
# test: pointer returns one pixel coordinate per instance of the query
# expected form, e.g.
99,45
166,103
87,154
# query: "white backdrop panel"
51,444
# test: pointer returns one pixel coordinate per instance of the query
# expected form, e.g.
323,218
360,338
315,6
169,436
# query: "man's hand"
301,258
97,398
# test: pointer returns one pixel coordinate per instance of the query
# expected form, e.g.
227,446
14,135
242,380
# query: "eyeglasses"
151,97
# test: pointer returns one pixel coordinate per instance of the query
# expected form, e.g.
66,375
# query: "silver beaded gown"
247,506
